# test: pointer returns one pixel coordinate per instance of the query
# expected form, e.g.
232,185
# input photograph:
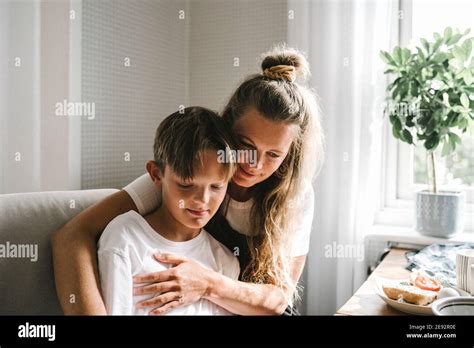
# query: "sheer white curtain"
19,97
34,62
343,40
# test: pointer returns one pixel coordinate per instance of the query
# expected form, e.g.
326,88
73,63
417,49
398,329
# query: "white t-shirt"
126,249
147,197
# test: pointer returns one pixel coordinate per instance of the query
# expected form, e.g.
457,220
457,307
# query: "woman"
265,220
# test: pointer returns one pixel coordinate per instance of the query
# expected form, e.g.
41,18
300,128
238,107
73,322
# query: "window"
456,171
405,168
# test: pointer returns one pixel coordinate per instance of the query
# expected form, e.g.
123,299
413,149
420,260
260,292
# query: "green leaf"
392,119
397,55
454,39
407,136
438,115
452,119
437,36
463,123
447,34
458,109
440,57
424,119
421,54
464,100
455,138
456,63
432,142
437,44
395,133
387,58
414,91
396,82
404,90
447,148
397,124
426,45
467,47
430,127
469,89
467,77
406,54
458,52
396,92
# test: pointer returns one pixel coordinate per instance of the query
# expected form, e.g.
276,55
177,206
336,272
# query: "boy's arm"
116,282
75,255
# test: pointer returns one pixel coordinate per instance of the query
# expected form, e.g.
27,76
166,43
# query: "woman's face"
269,139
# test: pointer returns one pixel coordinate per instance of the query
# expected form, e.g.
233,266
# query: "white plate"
404,306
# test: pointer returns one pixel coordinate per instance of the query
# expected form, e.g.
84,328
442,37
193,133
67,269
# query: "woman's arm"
252,299
75,255
195,282
246,298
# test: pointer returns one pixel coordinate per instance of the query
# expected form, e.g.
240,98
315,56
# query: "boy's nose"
202,196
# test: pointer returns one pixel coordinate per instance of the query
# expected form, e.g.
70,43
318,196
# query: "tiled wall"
129,100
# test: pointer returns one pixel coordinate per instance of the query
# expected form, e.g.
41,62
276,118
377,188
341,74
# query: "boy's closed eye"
188,186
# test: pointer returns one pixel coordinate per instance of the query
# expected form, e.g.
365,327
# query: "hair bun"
287,72
284,63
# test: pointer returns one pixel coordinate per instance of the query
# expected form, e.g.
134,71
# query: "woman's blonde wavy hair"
280,98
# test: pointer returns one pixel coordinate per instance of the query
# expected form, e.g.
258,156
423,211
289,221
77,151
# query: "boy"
193,185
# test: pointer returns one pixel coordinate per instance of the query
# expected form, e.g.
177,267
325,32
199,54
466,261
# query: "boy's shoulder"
122,230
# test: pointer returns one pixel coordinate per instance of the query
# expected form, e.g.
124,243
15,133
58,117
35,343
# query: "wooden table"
365,301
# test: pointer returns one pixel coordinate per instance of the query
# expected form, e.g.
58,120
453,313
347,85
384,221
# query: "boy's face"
192,203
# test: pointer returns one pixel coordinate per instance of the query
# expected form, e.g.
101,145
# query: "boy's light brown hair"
182,138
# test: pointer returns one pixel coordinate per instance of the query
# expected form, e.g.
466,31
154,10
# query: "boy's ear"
155,173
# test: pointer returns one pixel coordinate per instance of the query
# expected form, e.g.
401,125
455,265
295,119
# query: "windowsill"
400,215
408,235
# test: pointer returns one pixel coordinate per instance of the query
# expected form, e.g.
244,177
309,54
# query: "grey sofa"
27,221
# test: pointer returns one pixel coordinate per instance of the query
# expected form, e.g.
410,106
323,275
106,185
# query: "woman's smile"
245,173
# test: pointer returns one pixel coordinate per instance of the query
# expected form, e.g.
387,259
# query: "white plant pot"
439,214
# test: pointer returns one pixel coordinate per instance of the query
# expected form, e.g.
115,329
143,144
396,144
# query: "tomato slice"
427,283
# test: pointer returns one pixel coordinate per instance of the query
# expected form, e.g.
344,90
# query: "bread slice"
409,293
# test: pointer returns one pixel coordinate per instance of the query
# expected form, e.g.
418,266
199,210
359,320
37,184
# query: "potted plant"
431,101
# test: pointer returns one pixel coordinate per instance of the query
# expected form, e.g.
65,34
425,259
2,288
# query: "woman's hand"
185,283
